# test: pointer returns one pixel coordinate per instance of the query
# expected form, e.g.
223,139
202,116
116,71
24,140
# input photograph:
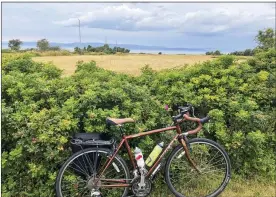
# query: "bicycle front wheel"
211,160
78,176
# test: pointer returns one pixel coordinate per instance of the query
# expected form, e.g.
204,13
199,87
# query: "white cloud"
110,17
129,17
212,25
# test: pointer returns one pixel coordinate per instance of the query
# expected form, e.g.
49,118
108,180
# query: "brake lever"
184,110
193,110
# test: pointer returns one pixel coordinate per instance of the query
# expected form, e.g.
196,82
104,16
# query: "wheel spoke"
75,178
78,170
84,164
211,162
90,164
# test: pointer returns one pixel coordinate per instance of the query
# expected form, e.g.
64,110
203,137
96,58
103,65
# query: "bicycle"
196,167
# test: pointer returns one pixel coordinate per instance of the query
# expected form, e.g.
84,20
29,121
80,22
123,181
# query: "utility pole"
79,34
79,31
116,47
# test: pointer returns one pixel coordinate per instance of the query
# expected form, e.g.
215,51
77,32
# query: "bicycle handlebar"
184,113
199,121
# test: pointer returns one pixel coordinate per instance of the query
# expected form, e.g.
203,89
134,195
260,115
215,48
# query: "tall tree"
15,44
42,44
247,52
77,50
217,52
266,39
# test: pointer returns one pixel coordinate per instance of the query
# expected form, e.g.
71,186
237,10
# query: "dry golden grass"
245,188
235,188
129,63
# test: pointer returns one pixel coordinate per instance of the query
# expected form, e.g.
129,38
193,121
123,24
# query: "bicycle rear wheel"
213,163
78,175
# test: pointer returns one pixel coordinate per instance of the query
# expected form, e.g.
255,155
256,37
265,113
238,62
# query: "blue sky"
223,26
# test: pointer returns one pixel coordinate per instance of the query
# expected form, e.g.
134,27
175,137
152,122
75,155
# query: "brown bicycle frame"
123,183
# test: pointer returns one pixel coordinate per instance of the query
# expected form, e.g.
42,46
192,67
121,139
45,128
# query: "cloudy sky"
223,26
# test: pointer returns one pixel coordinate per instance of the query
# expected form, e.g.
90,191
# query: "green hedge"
241,98
41,110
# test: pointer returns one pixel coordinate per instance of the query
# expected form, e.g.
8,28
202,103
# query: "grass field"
236,188
129,64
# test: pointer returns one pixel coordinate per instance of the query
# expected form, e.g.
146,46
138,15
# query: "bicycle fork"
183,142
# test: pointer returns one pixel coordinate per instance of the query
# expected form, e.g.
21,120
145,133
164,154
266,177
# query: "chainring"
144,191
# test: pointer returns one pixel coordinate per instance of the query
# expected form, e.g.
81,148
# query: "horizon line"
166,47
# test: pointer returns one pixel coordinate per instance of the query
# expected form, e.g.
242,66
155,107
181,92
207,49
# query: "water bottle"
139,158
154,154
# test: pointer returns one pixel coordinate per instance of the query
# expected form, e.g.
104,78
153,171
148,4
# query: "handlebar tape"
204,120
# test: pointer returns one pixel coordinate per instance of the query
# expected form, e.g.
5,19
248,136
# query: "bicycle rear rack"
92,142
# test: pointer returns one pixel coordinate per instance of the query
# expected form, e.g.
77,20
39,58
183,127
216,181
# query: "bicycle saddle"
117,121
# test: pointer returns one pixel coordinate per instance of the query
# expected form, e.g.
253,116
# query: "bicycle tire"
82,152
177,149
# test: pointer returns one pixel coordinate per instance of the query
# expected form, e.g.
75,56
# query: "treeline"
217,52
104,49
265,40
246,52
42,45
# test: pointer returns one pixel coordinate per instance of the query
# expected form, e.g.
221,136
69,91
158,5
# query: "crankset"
143,191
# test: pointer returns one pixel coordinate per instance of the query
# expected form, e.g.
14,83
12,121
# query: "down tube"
161,156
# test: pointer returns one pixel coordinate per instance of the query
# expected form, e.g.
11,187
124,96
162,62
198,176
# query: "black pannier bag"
88,163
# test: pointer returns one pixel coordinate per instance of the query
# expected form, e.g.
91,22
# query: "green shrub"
239,96
6,51
41,111
56,53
